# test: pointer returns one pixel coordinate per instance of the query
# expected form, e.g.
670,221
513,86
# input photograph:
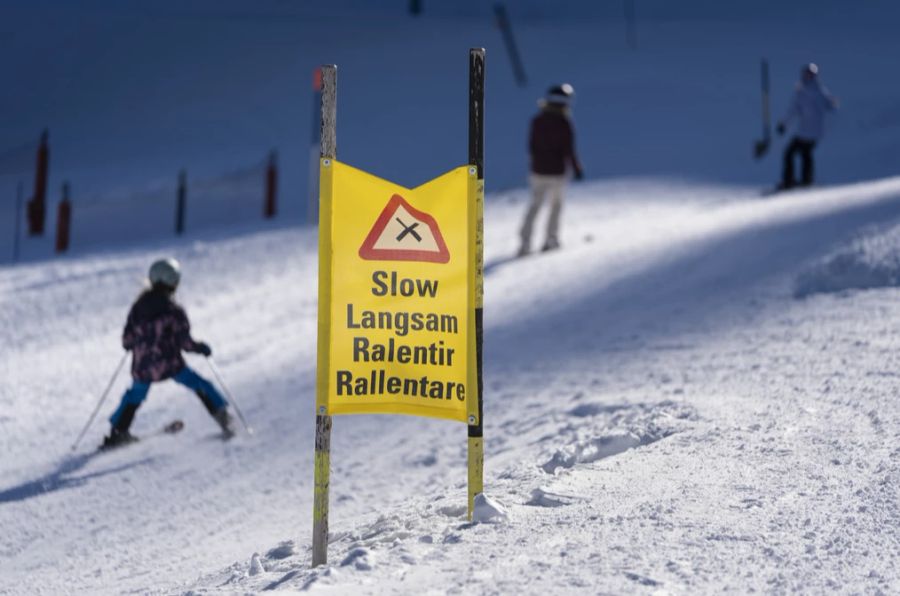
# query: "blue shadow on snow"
62,478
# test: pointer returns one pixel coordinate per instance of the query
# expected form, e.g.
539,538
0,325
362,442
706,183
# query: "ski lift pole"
510,41
100,403
231,400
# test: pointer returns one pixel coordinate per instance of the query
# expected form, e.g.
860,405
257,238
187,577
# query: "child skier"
156,332
551,146
808,106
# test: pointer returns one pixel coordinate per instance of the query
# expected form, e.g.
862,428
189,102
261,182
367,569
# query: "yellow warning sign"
397,295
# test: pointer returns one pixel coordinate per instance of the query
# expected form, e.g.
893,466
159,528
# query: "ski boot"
223,417
550,244
117,438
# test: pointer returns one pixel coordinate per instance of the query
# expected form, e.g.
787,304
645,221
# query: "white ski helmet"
165,271
560,94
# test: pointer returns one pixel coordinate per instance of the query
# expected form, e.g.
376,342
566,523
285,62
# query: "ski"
176,426
780,190
172,428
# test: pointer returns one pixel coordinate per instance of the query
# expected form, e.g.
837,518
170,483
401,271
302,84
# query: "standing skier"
808,106
156,333
551,145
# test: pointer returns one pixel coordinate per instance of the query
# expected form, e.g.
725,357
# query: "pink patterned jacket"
156,332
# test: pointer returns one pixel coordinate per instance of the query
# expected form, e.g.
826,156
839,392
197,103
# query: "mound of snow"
256,566
545,497
488,510
870,261
282,551
360,558
599,430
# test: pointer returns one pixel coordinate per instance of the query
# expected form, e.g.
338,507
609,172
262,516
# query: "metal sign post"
476,159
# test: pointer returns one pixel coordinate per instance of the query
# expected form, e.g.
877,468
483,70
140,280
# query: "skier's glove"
780,128
203,348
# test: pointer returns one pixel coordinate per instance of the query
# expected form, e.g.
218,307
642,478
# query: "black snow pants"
805,149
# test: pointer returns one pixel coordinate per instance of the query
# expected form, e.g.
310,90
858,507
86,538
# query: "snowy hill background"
131,95
692,396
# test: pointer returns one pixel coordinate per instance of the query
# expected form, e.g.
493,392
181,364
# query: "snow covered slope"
132,95
693,396
661,413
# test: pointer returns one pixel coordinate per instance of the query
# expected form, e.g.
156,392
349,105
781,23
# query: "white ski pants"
541,186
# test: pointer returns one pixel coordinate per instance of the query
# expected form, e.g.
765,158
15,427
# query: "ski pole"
231,400
100,403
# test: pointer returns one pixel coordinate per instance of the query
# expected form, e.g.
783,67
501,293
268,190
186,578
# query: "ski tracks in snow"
426,536
661,415
673,421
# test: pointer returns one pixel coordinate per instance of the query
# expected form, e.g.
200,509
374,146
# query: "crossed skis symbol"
411,230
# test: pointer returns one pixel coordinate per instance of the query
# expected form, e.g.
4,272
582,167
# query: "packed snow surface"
662,415
870,261
696,394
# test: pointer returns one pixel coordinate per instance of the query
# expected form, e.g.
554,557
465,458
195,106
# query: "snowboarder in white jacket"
807,110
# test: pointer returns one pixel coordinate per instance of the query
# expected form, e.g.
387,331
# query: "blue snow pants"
136,395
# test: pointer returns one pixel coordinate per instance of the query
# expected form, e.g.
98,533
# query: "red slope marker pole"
315,151
63,221
271,206
37,206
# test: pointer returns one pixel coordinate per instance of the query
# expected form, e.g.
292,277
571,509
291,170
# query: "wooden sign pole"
323,420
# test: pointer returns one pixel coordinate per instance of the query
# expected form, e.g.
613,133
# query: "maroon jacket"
156,332
551,142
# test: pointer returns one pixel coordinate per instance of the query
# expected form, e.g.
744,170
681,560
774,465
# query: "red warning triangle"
403,233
